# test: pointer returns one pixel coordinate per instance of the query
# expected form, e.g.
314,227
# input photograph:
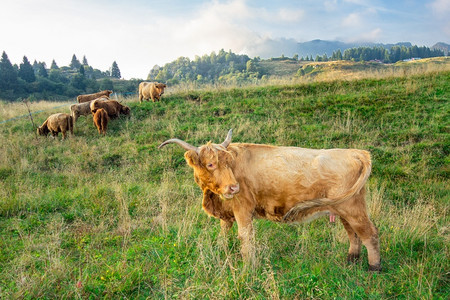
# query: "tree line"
392,55
55,83
227,67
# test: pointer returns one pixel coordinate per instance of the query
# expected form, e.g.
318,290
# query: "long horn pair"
187,146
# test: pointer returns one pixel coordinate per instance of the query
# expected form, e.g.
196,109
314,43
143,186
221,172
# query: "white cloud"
288,15
441,8
330,5
352,20
371,36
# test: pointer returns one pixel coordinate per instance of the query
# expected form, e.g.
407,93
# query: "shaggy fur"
101,120
151,90
285,184
112,107
83,109
57,123
89,97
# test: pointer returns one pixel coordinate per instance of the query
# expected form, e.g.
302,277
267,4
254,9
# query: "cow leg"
368,234
354,212
355,243
225,226
246,235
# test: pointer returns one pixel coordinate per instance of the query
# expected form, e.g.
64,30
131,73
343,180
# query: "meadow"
114,217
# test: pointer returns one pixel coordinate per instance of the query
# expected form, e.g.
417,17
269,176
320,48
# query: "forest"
36,81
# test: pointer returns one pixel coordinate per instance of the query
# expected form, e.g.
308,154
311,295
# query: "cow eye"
210,166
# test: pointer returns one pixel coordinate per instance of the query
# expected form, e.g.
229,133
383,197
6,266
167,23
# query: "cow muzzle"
231,190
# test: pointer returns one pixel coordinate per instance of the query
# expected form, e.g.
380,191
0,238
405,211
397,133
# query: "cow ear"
191,158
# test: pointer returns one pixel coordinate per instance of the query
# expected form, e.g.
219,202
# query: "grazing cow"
89,97
83,109
285,184
112,107
101,120
153,90
57,123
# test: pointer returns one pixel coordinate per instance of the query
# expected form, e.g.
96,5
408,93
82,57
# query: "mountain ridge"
274,48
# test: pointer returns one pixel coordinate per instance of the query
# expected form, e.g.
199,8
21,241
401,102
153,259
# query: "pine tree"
42,71
81,71
85,62
8,75
115,72
54,66
26,71
75,63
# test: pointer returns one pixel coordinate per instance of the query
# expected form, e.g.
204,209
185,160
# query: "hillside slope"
115,217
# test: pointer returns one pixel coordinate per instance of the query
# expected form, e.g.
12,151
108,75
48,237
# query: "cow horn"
228,139
183,144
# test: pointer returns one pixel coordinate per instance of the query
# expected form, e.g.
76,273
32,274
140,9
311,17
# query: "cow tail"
300,208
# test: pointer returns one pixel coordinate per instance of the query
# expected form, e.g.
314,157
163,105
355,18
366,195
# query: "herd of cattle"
100,106
241,181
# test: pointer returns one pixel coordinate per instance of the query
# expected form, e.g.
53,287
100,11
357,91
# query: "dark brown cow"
285,184
151,90
101,120
112,107
89,97
55,123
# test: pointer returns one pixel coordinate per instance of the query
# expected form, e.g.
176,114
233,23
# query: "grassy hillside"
115,217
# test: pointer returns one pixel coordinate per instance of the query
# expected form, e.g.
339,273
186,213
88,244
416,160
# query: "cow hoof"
352,258
375,268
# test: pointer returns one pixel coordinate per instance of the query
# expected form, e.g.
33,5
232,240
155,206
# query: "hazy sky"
138,34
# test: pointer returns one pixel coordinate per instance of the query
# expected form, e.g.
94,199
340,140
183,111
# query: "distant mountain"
288,47
442,46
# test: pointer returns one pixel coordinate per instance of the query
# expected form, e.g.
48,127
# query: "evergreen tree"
75,63
54,66
115,72
8,75
81,71
26,71
36,67
42,71
85,62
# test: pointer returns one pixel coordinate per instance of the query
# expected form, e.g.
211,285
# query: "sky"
140,34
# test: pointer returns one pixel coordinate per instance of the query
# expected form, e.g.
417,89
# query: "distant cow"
57,123
153,90
82,109
241,181
101,120
112,107
89,97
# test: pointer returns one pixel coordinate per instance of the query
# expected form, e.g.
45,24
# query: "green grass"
122,219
